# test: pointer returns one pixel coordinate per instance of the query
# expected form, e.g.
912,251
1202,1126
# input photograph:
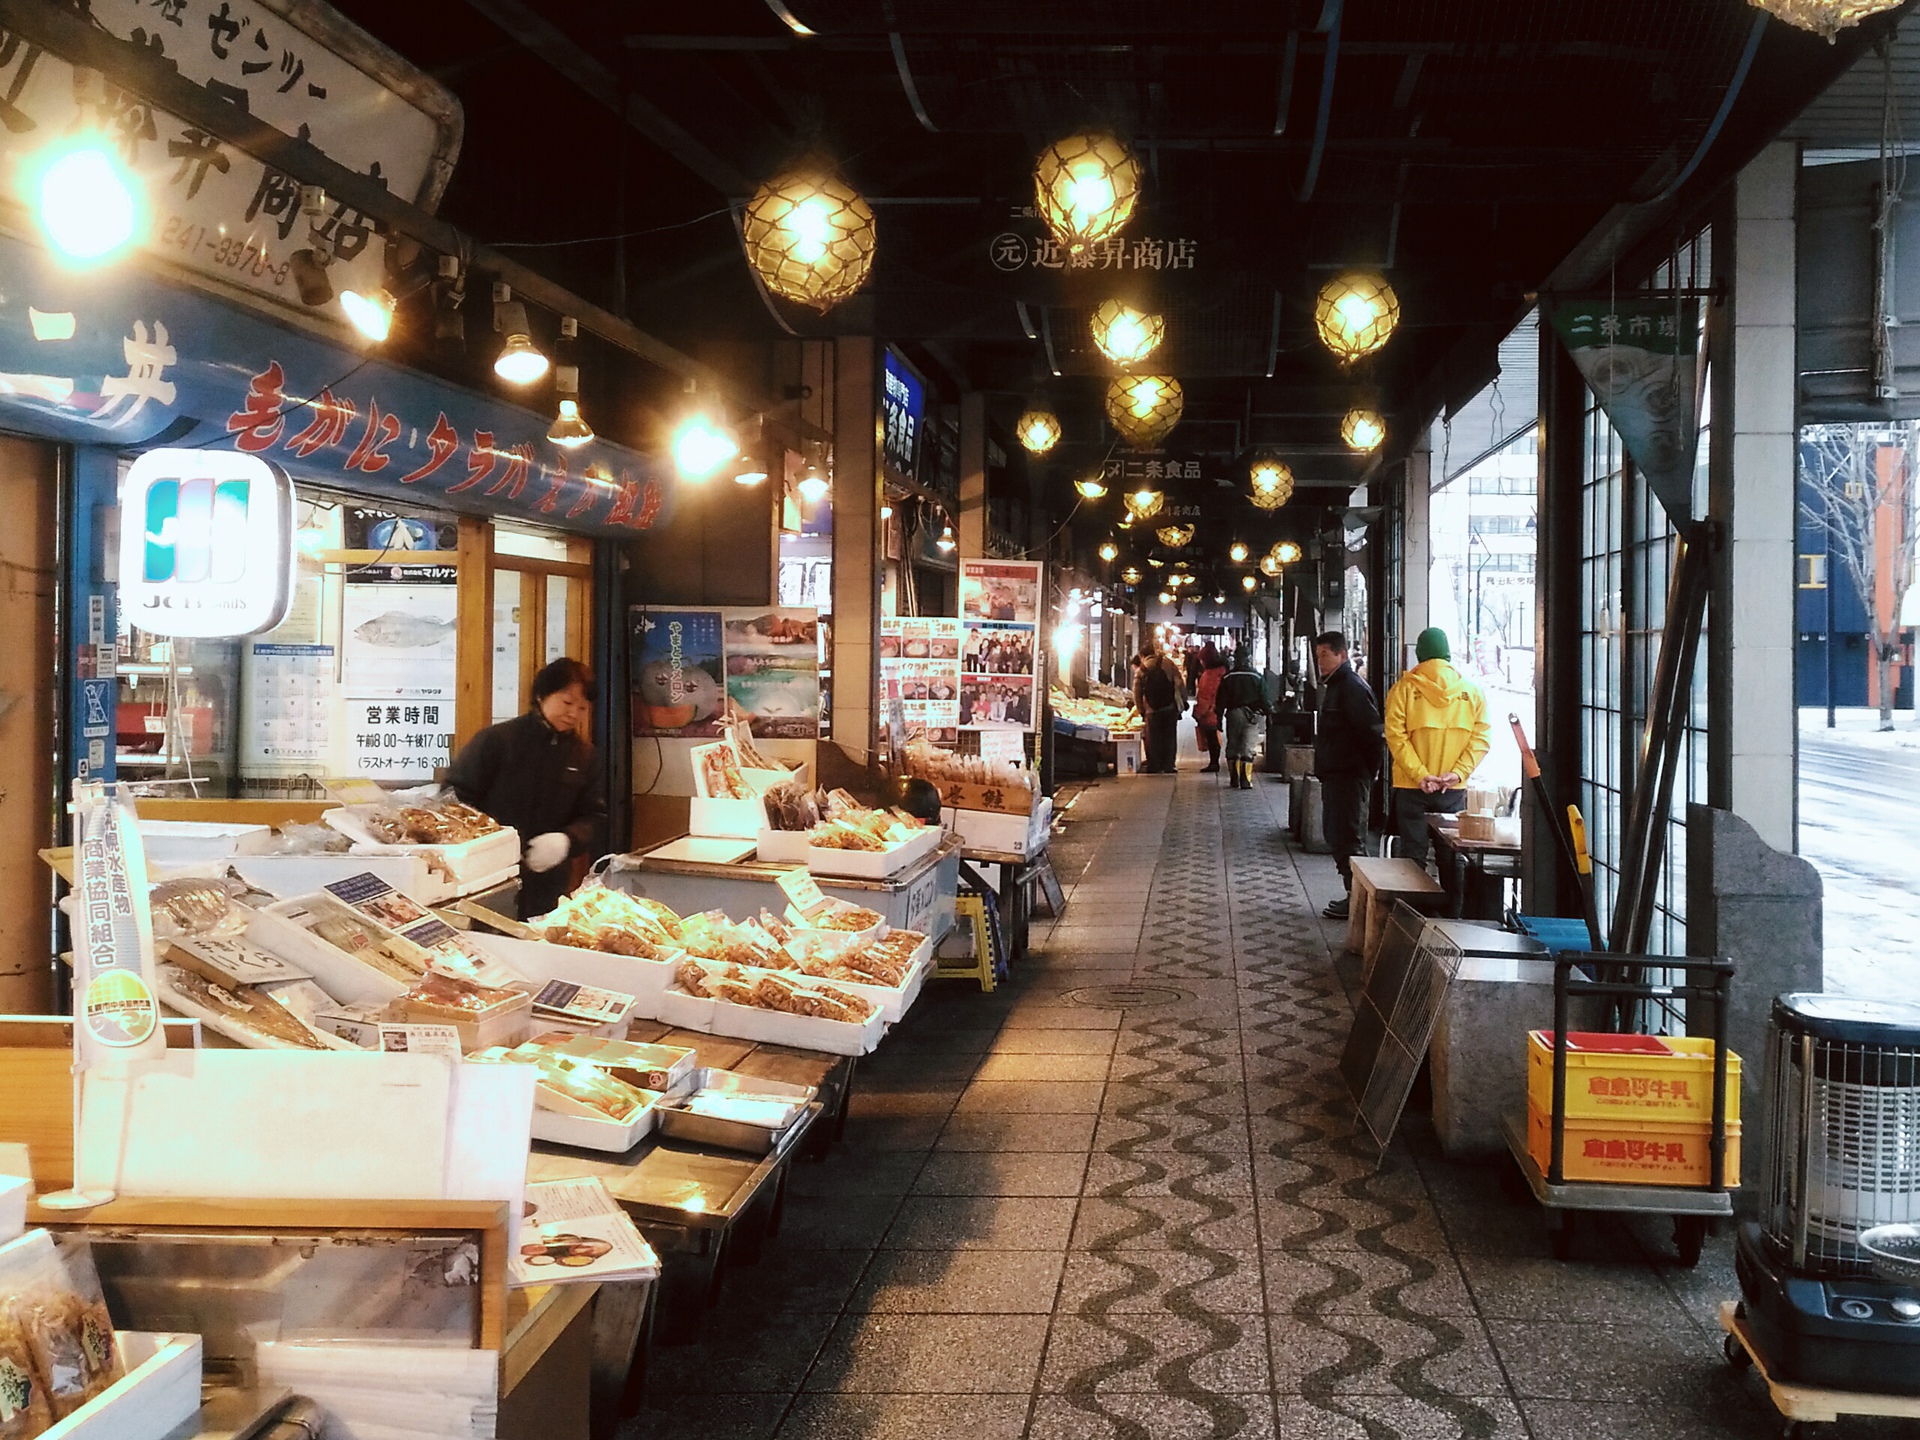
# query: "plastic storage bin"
1632,1077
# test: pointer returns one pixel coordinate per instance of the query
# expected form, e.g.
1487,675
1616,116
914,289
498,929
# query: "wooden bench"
1376,885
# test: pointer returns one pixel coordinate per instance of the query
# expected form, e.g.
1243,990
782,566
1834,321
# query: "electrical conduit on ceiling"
1330,22
1734,87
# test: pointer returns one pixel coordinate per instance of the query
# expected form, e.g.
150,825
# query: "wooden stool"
1376,885
974,909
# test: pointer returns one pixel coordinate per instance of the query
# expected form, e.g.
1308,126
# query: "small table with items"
1474,872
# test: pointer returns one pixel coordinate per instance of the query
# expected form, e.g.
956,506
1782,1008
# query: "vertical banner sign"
114,1010
1641,360
999,650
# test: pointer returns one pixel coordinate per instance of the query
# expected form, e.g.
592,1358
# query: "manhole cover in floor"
1126,997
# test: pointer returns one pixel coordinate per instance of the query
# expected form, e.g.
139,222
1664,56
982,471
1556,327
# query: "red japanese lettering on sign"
329,425
625,502
258,422
552,497
480,462
442,441
591,484
513,479
650,499
382,431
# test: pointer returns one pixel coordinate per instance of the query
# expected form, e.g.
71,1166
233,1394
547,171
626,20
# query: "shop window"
541,588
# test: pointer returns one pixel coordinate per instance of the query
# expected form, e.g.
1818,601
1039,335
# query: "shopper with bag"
1159,697
1241,699
1437,731
1206,707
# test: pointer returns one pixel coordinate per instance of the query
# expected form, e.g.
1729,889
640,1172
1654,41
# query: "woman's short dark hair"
561,674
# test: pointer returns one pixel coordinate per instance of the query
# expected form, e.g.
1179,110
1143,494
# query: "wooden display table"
1376,885
1475,871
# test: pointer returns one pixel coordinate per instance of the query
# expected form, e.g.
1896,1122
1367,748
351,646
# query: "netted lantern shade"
1356,314
1131,575
1237,552
1144,408
1286,552
809,236
1270,564
1363,430
1091,488
1824,17
1085,188
1109,551
1039,431
1144,504
1125,335
1174,536
1272,482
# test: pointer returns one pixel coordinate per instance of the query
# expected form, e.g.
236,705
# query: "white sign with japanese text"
209,207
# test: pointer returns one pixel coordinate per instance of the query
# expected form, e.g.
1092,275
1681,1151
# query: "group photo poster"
999,643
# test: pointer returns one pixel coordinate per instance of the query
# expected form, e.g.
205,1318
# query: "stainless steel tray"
678,1123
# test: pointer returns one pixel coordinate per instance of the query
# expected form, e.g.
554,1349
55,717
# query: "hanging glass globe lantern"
1237,552
1144,408
1039,431
1131,575
1363,430
1356,314
1144,504
1270,564
1272,482
1093,487
1085,188
1109,551
1124,335
1286,552
1824,17
1174,536
809,236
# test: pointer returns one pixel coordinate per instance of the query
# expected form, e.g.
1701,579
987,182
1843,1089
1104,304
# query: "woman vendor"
540,775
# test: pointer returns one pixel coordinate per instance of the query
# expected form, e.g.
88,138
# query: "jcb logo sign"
206,543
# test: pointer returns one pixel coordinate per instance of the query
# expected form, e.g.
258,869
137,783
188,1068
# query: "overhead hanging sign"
206,543
114,358
1641,360
902,404
212,208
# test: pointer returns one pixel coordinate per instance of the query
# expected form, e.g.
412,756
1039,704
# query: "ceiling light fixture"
520,361
87,202
1144,503
1109,551
809,236
813,484
1286,552
569,429
1269,564
886,512
1166,597
1144,408
1175,535
1039,431
1091,488
1156,562
1249,582
371,311
1272,480
946,542
1363,430
1131,575
1355,314
1085,188
1237,552
702,444
1125,335
1824,17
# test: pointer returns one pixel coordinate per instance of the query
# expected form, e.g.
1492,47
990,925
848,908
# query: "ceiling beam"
532,30
155,80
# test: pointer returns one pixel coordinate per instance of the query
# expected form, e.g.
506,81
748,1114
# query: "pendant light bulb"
1249,582
1286,552
1363,430
1109,551
946,542
700,447
1039,431
371,312
569,430
520,362
87,203
813,484
1237,552
1125,335
1092,488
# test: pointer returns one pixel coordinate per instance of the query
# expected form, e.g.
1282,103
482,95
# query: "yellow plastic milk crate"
1628,1078
1627,1150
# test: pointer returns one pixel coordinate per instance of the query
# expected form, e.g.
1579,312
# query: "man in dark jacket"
540,776
1346,757
1159,697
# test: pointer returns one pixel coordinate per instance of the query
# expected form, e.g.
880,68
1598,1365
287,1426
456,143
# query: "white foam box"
782,847
776,1027
540,961
286,875
346,979
1008,834
187,842
14,1191
159,1393
592,1132
464,868
873,864
506,1023
1129,755
731,819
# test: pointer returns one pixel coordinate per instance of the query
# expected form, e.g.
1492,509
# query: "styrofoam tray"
591,1132
287,875
781,847
776,1027
627,974
186,842
467,862
873,864
159,1393
335,971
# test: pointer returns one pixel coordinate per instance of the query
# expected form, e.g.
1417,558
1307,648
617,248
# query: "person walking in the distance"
1346,757
1159,697
1206,708
1241,697
1437,732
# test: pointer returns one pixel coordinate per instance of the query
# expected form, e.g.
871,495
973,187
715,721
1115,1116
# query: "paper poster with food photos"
922,654
696,671
1000,643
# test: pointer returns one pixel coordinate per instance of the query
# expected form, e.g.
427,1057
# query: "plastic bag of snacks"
57,1348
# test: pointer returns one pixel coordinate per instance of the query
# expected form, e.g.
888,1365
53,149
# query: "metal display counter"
921,897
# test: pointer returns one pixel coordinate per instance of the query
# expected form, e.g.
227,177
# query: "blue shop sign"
115,358
902,402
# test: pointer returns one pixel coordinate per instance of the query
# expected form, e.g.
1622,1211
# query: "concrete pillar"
1760,908
1751,496
857,566
970,526
1418,562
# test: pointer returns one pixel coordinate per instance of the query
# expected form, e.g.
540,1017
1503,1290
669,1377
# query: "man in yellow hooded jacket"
1437,732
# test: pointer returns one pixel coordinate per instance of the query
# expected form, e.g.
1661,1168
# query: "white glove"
548,850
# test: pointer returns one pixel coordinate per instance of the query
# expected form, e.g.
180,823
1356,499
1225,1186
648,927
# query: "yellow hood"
1436,722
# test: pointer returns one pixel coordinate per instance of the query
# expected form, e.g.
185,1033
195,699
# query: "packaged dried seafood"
390,955
720,774
574,1083
245,1014
712,936
57,1348
598,918
194,907
766,991
854,918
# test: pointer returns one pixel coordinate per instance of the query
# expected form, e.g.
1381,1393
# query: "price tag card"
802,891
420,1040
352,790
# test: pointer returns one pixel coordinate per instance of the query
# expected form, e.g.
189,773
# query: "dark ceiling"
1462,146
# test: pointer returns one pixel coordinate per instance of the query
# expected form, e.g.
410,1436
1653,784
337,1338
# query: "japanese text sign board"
902,402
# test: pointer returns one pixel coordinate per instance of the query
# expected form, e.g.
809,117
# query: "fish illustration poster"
695,671
398,625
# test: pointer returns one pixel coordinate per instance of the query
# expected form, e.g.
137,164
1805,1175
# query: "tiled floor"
1058,1218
